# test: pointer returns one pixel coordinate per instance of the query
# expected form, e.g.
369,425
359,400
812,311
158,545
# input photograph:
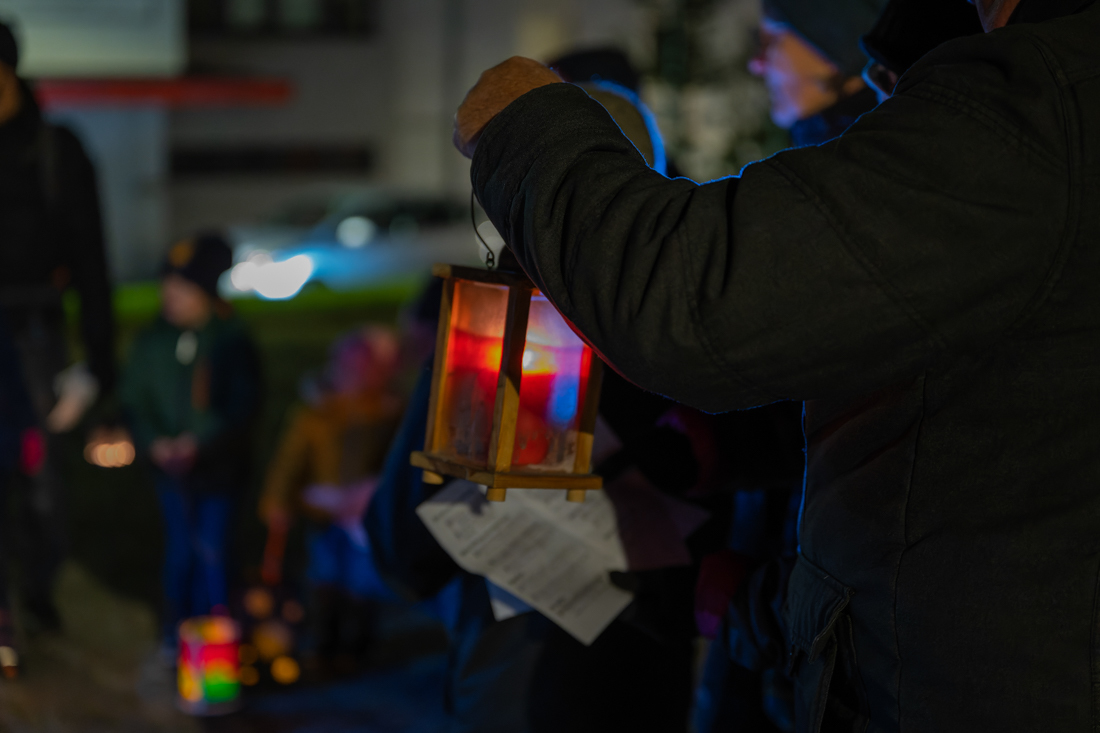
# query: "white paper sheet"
551,554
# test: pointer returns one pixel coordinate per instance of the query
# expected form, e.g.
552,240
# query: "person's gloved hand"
496,89
175,456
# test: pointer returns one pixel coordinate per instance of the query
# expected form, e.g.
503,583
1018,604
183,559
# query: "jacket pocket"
815,604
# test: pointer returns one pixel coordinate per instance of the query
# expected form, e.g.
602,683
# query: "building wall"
396,92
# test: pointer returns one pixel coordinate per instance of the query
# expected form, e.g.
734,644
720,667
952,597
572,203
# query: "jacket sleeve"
922,231
87,256
407,555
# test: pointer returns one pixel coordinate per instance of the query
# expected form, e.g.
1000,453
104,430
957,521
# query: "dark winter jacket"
927,283
214,395
51,235
831,122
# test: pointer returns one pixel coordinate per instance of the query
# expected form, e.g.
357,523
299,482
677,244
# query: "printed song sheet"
550,553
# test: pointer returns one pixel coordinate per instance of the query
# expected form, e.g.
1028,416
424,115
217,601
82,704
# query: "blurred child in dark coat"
191,391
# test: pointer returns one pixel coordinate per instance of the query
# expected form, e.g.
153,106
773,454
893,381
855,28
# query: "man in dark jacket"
51,238
926,282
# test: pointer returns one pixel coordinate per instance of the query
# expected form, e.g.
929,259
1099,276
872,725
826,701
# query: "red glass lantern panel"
474,350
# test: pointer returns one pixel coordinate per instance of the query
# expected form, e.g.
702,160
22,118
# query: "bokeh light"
285,670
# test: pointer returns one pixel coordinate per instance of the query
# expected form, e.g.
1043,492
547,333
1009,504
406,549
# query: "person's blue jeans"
335,560
196,528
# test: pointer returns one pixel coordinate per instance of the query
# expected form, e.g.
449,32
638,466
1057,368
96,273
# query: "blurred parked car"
348,239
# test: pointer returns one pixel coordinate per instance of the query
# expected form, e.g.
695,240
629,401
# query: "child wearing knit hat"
191,391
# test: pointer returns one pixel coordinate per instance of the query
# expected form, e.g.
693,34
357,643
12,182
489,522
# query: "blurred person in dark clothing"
610,69
51,239
22,453
810,60
191,392
523,673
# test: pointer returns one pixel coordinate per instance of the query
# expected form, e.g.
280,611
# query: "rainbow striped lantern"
209,683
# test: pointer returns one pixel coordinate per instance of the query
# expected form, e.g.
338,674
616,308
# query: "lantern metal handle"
490,258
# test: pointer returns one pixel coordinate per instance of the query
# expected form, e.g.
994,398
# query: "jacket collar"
831,122
1037,11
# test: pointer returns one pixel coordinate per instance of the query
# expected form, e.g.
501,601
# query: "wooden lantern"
514,390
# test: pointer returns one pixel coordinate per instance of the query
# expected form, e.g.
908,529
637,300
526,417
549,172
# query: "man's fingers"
496,89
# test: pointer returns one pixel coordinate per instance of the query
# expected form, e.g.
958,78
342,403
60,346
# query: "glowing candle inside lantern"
555,365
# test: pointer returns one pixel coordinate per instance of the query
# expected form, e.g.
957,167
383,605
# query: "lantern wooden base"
498,482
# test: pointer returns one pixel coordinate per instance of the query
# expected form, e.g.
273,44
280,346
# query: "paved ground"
103,674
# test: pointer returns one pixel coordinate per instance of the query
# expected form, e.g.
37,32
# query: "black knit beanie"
833,28
908,29
9,49
201,259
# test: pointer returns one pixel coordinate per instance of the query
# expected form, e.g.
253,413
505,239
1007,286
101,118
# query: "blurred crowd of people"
192,388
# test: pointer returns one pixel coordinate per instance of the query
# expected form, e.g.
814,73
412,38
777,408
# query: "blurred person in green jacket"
190,391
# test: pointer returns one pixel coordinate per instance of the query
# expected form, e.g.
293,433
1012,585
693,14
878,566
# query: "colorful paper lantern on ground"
514,390
209,683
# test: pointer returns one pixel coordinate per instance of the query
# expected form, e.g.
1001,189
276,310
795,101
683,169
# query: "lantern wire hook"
490,258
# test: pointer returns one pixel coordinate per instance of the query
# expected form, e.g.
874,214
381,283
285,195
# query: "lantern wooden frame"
498,473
